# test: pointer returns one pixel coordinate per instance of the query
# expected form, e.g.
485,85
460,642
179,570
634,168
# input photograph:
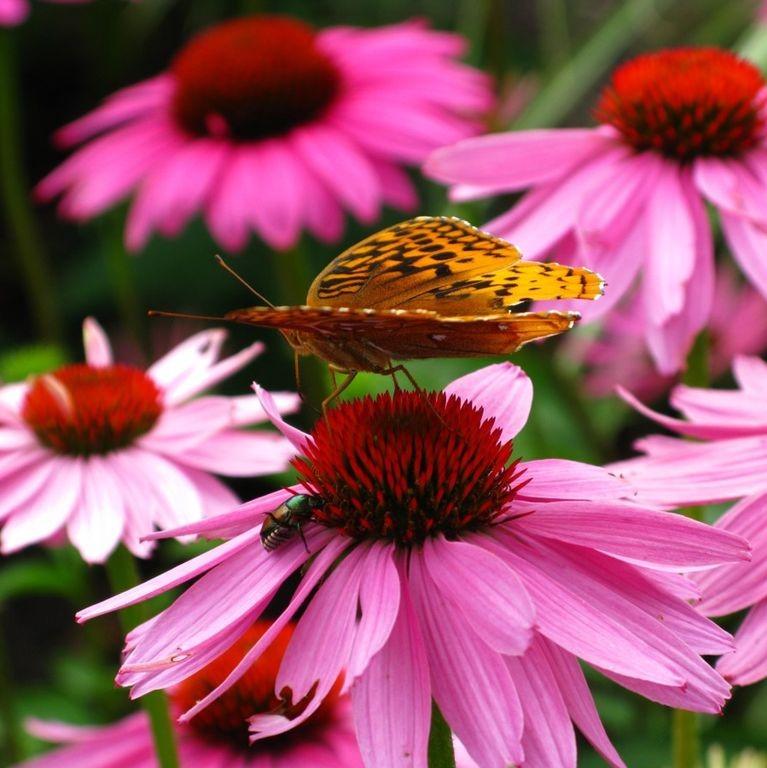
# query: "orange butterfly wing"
445,265
411,334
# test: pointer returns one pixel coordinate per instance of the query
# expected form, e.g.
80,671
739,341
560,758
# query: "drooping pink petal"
748,244
580,703
379,605
751,374
47,510
733,587
516,160
730,185
484,590
98,521
748,664
503,391
392,699
470,683
549,737
637,533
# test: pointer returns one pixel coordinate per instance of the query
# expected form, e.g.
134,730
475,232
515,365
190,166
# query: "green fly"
287,520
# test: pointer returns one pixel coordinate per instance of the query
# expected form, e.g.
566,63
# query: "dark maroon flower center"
407,466
686,102
225,720
252,78
82,410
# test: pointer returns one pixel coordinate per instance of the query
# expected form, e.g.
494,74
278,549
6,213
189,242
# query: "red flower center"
226,719
407,466
686,102
81,410
252,78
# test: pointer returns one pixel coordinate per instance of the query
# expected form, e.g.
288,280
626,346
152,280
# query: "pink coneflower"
263,124
219,735
728,461
15,12
437,568
677,127
102,451
618,356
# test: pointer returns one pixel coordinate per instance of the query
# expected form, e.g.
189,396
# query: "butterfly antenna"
242,281
184,316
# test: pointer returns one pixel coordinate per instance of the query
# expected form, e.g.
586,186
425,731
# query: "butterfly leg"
337,390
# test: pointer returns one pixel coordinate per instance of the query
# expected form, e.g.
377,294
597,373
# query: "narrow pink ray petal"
749,662
98,351
503,391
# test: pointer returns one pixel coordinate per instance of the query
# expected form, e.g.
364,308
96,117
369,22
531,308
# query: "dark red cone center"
686,102
407,466
81,410
252,78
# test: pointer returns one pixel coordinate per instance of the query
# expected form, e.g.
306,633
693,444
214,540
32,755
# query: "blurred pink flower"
15,12
434,568
262,124
677,127
219,736
102,451
728,461
738,326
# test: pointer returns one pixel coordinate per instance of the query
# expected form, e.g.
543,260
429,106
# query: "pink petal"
484,590
47,510
98,351
503,391
729,184
195,353
558,479
749,662
748,245
392,700
638,533
735,587
97,524
590,617
296,436
580,704
379,605
470,682
171,578
317,570
342,167
750,373
549,738
515,160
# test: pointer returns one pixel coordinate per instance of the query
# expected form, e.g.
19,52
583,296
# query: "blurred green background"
549,58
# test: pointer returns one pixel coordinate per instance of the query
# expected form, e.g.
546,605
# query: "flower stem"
685,726
122,274
11,752
294,273
123,574
441,753
32,260
578,75
686,739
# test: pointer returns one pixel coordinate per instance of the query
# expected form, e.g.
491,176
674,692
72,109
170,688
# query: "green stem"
294,273
123,277
31,259
123,574
753,45
11,752
554,35
685,735
441,753
686,739
576,77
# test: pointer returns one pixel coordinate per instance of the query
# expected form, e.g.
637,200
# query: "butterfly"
425,288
